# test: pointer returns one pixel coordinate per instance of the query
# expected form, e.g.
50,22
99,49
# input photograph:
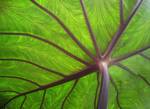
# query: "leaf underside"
49,51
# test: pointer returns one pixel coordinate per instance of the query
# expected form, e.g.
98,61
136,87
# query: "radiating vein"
11,91
134,74
144,56
121,29
20,78
69,93
134,10
97,90
1,91
22,34
43,98
121,58
121,12
6,91
90,69
34,64
66,29
93,37
25,97
117,93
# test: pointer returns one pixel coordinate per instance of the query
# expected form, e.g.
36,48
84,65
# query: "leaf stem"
103,98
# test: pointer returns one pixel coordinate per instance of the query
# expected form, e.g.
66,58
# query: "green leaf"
74,54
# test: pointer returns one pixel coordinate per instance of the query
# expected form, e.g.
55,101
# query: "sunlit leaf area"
74,54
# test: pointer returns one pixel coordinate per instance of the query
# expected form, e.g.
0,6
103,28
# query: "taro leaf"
74,54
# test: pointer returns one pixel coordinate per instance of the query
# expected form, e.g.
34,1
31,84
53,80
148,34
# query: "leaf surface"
49,51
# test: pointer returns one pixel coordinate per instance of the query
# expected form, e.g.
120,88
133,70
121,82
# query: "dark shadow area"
3,100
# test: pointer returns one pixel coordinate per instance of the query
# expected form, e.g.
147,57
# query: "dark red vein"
82,73
20,78
121,30
46,41
121,13
42,101
121,58
117,92
144,56
34,64
97,90
136,7
25,97
134,74
69,93
66,29
93,37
